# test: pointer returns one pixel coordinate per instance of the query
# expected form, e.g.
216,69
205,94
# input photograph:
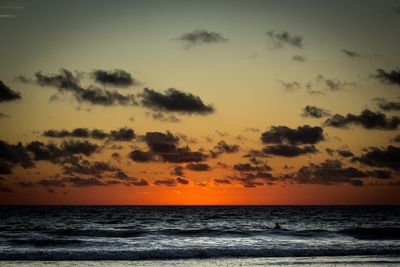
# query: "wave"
204,253
386,233
45,242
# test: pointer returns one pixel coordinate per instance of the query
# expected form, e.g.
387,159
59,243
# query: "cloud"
65,153
349,53
47,152
390,77
4,116
300,136
299,58
329,172
14,155
184,154
161,142
200,37
173,100
334,84
178,170
166,182
7,94
380,174
396,139
66,81
77,181
182,181
77,147
283,38
380,157
367,119
5,168
122,134
246,167
164,146
222,147
158,116
289,150
345,153
222,181
96,169
315,112
117,77
290,86
200,167
387,105
141,156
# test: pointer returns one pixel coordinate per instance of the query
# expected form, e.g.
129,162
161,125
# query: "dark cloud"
166,182
141,156
161,142
184,154
222,181
77,147
199,37
246,167
173,100
285,135
329,172
178,170
115,77
387,105
299,58
5,168
222,147
345,153
158,116
7,94
138,182
283,38
380,157
349,53
123,134
66,81
3,116
51,183
290,86
47,152
6,189
182,181
380,174
367,119
96,168
390,77
315,112
14,155
396,139
77,181
25,184
198,167
289,150
334,84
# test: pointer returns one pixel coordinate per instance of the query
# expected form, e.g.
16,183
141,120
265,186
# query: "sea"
199,236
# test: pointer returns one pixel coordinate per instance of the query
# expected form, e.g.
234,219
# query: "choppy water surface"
196,232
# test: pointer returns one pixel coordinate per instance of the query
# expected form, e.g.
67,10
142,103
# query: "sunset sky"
199,102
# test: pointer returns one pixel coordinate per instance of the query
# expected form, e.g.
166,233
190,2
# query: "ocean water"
149,234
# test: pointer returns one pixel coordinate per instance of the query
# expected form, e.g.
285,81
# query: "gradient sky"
233,130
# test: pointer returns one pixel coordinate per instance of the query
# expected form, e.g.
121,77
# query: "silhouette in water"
277,226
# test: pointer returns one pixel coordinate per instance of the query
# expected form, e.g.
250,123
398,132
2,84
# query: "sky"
199,102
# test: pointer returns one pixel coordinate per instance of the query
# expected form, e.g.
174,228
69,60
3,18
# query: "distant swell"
191,254
389,233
